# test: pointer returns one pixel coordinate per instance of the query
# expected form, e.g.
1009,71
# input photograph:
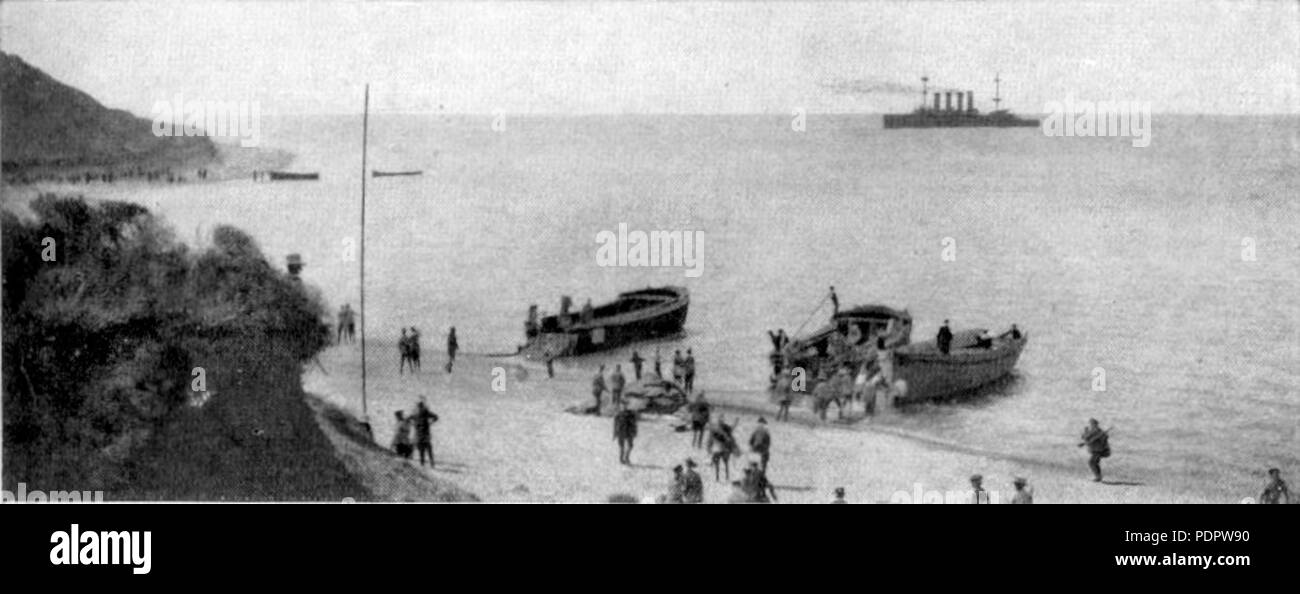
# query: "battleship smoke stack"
936,102
960,97
970,101
947,101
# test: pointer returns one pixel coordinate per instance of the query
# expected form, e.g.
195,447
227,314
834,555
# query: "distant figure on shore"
402,436
721,446
1024,495
688,371
616,384
700,412
636,360
625,432
1098,443
452,347
835,302
588,314
550,365
404,349
347,325
414,343
679,367
839,495
424,420
978,495
944,338
598,386
760,442
692,484
658,365
1275,492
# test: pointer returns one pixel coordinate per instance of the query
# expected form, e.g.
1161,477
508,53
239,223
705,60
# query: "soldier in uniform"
598,386
760,442
978,495
625,433
692,484
616,384
1024,495
1098,443
1275,491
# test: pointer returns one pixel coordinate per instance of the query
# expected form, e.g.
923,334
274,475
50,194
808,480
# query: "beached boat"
377,173
847,341
929,374
290,176
633,316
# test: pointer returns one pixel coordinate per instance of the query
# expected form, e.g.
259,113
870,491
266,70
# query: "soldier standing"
598,386
636,364
692,484
1098,443
1275,491
616,384
625,433
760,442
1024,495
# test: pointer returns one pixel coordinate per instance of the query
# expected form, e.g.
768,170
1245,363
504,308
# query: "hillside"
47,124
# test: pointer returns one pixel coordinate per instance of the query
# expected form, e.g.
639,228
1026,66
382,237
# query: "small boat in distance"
290,176
931,375
377,173
633,316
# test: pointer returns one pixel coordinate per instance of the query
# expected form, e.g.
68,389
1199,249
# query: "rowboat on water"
928,374
633,316
377,173
290,176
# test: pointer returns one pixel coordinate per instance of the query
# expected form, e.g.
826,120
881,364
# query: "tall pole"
997,91
365,133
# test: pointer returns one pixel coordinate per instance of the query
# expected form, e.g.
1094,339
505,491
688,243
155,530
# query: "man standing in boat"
1098,442
616,384
835,302
979,496
598,386
944,338
636,364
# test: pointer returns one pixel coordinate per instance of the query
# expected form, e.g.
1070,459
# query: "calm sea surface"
1125,259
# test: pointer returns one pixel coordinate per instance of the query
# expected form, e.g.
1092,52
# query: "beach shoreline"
518,443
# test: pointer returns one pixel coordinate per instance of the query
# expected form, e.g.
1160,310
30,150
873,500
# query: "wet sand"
520,445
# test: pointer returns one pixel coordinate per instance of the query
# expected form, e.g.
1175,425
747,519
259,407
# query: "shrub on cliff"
99,343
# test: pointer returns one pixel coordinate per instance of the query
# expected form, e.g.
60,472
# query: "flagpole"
365,133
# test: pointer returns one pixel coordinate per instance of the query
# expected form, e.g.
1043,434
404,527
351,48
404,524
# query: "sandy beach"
520,445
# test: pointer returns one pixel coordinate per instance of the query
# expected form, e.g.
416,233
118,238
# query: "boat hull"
635,316
931,375
287,176
946,120
394,173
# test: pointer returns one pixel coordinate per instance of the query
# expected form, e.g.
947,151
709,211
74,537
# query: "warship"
965,115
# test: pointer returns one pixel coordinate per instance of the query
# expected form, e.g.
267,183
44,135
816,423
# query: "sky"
313,57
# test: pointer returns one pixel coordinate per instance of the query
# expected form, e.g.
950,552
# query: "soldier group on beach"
420,422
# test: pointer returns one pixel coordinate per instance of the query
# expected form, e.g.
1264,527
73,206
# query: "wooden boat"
847,340
377,173
290,176
929,374
633,316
